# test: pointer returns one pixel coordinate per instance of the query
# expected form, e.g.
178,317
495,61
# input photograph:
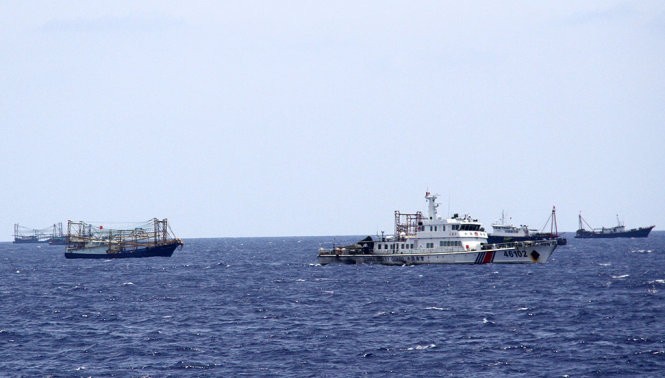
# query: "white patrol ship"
431,239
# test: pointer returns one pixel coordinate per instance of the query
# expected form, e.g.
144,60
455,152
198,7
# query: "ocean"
264,307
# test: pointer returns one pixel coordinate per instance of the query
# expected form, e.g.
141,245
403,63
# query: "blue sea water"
264,307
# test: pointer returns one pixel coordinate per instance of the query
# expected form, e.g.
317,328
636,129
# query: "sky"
299,118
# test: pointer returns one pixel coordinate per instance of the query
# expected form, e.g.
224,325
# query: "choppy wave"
265,307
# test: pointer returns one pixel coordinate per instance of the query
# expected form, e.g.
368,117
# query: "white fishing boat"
504,231
431,239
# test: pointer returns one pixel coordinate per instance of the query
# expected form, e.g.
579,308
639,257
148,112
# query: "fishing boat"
149,239
57,237
503,231
618,231
23,235
420,239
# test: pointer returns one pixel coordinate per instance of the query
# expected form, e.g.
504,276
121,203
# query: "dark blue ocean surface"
263,307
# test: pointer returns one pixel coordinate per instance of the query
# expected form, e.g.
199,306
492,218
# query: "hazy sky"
282,118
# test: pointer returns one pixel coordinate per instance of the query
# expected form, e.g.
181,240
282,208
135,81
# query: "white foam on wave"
422,347
435,308
657,282
605,264
523,309
129,283
620,277
487,321
642,251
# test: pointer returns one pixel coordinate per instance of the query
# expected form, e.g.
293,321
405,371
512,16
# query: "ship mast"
431,205
554,228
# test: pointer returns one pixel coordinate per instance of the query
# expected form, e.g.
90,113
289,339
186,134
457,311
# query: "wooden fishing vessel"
149,239
618,231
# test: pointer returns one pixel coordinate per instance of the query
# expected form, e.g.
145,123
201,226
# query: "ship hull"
641,232
26,240
520,253
58,241
496,239
164,250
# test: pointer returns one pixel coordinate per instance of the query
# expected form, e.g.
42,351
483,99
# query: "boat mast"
431,205
583,222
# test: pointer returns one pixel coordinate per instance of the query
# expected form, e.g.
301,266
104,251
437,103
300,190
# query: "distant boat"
57,240
21,235
430,239
25,235
26,239
57,237
618,231
152,239
504,232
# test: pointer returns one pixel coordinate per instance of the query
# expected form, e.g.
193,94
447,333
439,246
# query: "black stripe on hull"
156,251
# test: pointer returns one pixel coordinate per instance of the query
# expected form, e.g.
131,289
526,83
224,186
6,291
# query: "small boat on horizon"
149,239
618,231
420,239
23,235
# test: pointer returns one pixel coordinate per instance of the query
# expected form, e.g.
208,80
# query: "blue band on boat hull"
156,251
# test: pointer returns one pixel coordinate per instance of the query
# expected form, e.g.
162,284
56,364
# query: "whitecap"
127,283
657,282
605,264
422,347
18,271
80,368
435,308
621,276
329,292
300,280
486,321
523,309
